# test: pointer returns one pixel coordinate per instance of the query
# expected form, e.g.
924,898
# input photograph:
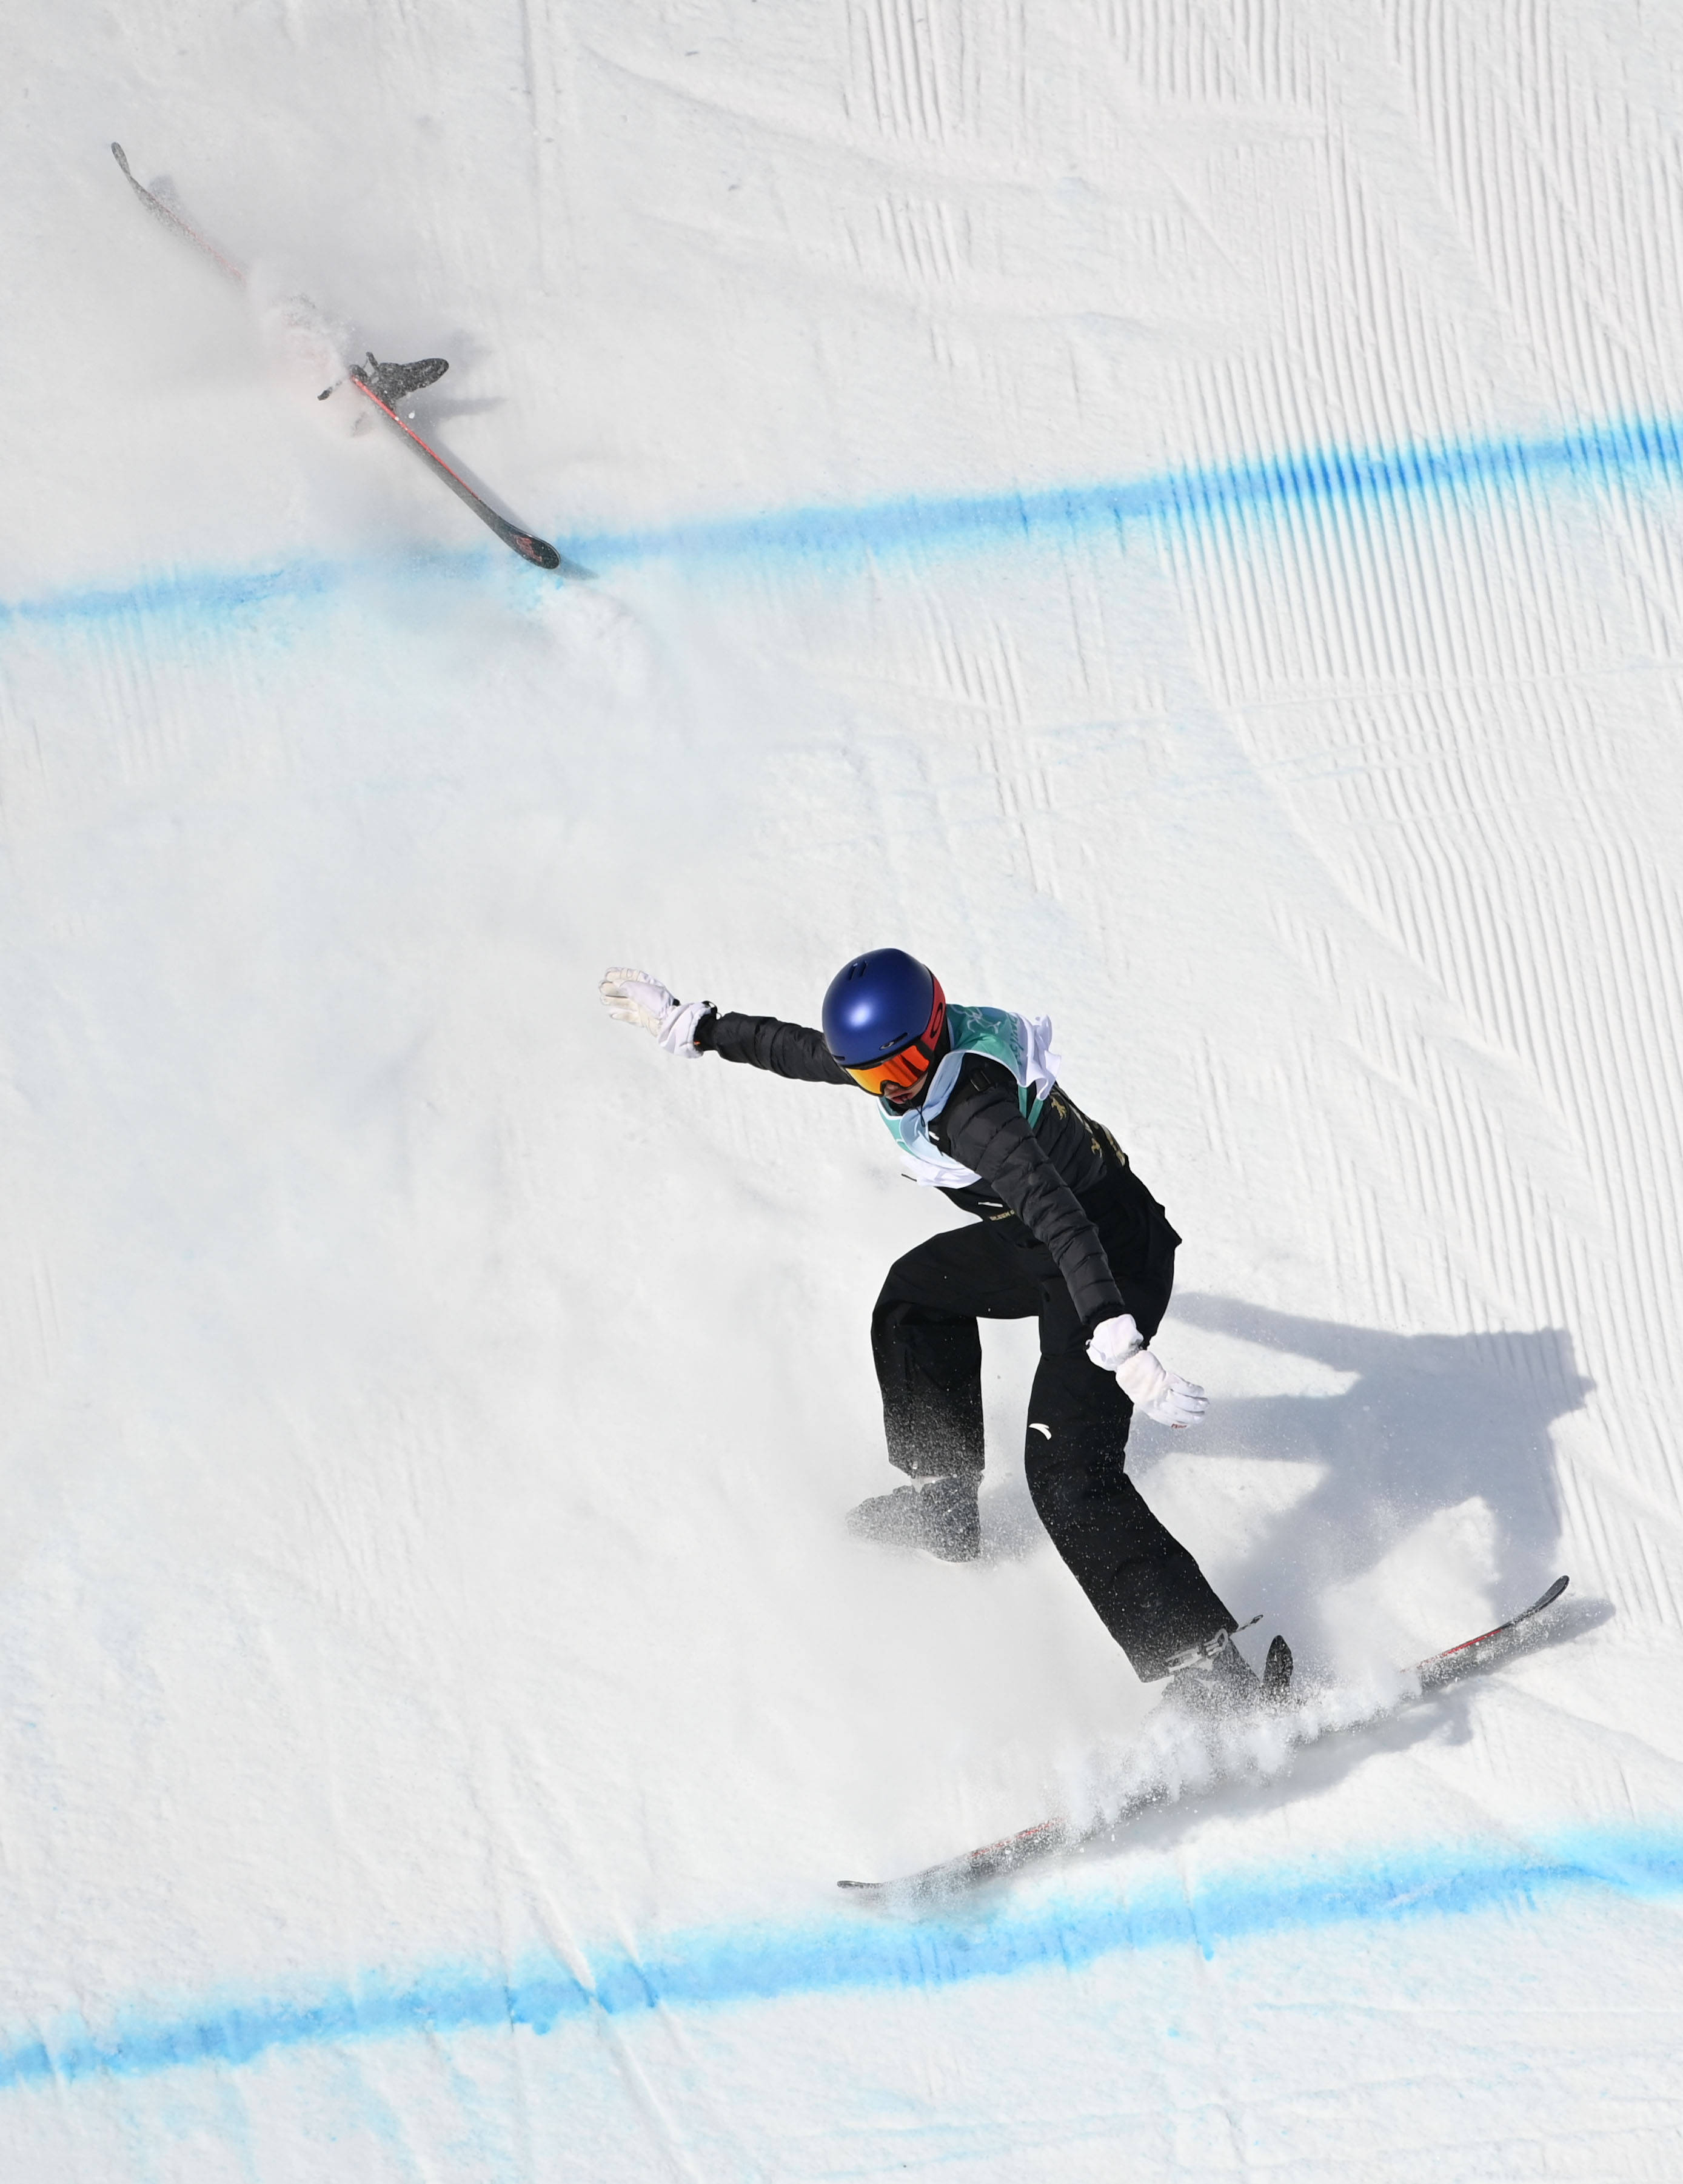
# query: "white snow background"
1169,509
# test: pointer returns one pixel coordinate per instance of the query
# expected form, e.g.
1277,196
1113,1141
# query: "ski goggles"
902,1072
900,1075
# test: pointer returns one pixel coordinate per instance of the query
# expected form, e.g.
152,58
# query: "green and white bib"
1024,1048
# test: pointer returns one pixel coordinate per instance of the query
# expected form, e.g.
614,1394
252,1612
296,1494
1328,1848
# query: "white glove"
635,997
1118,1347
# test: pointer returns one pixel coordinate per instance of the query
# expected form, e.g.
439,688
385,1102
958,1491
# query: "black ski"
971,1869
1457,1661
382,384
539,551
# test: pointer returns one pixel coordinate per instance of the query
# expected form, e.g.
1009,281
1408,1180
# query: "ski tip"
120,157
1554,1592
539,551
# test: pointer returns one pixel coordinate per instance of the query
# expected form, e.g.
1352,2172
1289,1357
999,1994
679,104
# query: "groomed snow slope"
1172,511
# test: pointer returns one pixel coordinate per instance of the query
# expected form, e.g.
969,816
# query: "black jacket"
1039,1177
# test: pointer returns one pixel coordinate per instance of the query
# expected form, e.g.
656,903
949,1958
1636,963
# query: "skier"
1066,1232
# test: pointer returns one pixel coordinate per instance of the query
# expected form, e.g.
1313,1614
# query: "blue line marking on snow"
205,594
815,536
846,1952
1340,476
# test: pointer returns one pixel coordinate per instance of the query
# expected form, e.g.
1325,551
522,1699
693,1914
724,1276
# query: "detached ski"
972,1869
539,551
382,384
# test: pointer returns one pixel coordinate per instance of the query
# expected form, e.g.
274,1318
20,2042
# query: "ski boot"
942,1518
1214,1681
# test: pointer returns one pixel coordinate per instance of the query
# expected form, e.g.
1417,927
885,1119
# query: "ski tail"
971,1867
156,206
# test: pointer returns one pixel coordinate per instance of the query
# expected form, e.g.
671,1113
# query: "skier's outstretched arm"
787,1050
693,1029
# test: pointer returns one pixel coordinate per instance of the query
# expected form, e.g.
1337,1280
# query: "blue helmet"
881,1006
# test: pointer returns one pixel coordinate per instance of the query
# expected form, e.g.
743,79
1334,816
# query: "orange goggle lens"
903,1069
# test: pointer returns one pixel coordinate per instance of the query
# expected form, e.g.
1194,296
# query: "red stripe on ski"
536,550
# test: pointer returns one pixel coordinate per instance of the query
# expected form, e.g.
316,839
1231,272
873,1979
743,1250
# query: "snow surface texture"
1170,510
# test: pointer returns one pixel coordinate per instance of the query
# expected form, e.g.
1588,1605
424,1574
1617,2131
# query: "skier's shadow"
1429,1422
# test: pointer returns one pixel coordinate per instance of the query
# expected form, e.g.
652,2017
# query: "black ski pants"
1148,1592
